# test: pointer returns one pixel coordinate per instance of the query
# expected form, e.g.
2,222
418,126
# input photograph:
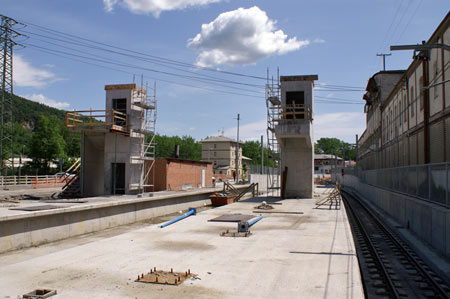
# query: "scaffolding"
145,135
273,104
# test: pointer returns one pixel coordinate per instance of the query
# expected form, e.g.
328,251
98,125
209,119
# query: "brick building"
178,174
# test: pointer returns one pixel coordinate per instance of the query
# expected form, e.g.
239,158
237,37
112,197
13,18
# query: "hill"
27,112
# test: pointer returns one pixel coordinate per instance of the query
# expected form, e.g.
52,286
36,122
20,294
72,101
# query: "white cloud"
40,98
318,41
27,75
240,37
109,5
154,7
341,125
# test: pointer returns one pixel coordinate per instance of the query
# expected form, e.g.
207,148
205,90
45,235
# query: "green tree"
189,148
47,144
333,146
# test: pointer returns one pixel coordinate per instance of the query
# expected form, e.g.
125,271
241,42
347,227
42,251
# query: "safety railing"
30,179
96,118
293,112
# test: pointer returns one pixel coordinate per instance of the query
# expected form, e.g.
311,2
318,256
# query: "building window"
400,111
215,154
406,109
411,100
436,74
420,91
215,145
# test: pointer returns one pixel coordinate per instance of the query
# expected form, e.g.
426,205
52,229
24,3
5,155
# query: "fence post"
446,181
417,180
429,181
26,179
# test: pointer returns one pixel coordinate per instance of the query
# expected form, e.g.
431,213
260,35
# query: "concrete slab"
288,256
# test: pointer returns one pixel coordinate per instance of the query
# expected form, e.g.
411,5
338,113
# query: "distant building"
221,152
408,122
323,163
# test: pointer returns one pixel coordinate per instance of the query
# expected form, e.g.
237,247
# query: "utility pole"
262,154
7,36
384,59
237,151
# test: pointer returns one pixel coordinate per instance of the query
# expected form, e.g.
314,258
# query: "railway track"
389,267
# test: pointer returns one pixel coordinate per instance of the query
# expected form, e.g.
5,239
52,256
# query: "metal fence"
256,169
430,182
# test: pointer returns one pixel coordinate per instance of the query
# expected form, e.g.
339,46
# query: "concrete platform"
288,256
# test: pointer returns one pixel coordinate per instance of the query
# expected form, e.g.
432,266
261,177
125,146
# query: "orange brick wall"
171,174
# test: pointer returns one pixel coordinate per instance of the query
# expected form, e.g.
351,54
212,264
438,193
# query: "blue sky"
338,40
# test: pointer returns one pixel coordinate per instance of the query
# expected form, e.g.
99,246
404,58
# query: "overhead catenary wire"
138,57
144,54
105,62
123,64
146,77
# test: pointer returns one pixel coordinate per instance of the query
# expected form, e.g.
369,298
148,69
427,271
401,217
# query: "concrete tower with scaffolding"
290,105
116,142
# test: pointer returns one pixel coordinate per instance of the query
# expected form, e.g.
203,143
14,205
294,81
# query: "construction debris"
264,206
227,233
191,211
279,212
333,198
166,277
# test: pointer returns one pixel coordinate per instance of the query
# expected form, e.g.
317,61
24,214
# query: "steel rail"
436,283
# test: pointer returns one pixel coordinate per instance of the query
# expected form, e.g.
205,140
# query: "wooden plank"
278,212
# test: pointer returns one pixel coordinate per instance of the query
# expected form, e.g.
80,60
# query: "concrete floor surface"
287,256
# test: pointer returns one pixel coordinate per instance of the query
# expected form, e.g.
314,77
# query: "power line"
140,53
152,78
122,64
154,61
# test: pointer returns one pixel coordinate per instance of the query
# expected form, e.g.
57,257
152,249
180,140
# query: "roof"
222,167
220,139
299,78
325,156
131,86
184,161
246,158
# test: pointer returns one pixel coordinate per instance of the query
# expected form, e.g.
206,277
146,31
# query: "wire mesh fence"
256,169
430,182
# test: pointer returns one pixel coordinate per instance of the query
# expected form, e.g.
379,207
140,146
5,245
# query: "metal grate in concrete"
40,293
165,277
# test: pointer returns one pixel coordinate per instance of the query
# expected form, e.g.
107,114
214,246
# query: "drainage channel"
389,267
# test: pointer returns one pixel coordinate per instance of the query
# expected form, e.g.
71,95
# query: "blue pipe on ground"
253,221
192,211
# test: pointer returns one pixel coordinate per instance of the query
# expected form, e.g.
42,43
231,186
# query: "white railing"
30,179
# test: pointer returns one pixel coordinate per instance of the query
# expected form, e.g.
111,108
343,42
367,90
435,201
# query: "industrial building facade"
408,112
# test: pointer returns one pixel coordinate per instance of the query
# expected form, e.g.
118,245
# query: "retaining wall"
36,228
429,221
